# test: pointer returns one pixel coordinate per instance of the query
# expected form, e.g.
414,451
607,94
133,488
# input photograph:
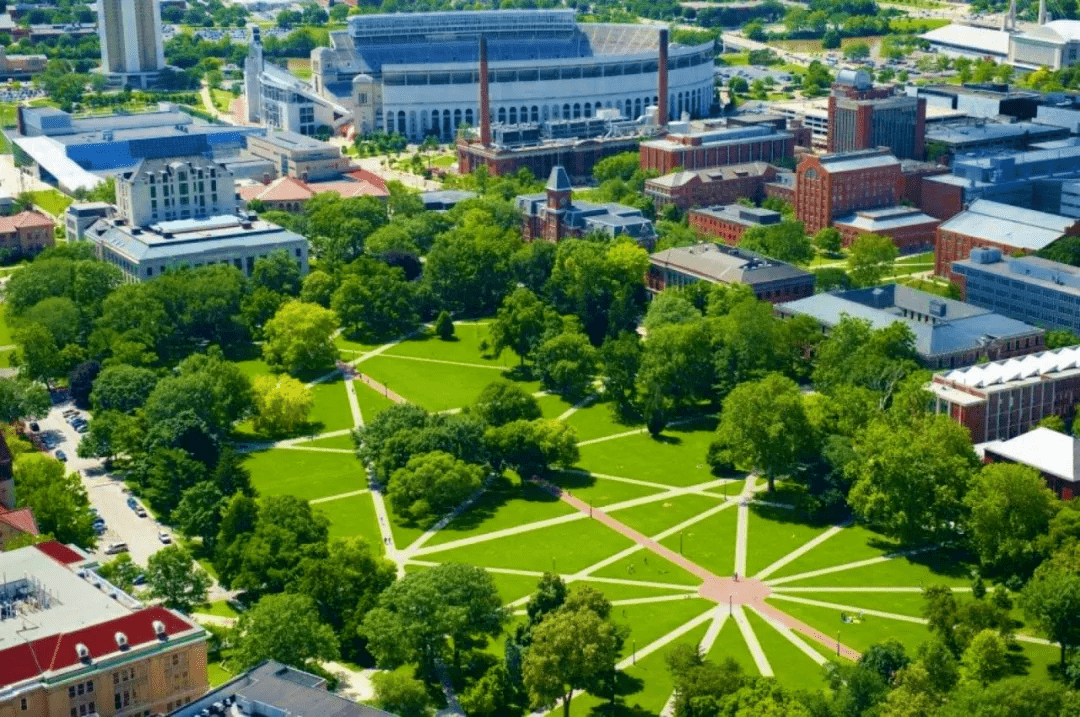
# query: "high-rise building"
834,185
862,116
131,45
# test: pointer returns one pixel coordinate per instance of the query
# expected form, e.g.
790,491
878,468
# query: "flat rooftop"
989,132
1008,225
1045,450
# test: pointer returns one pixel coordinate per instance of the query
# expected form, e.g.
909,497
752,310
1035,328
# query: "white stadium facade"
418,73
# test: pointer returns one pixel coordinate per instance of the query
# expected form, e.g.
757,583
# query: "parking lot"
107,494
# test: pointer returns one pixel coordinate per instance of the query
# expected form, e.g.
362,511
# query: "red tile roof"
21,519
349,189
363,175
24,220
285,189
60,552
30,659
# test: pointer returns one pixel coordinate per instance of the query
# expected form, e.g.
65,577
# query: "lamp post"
680,542
553,570
837,643
634,658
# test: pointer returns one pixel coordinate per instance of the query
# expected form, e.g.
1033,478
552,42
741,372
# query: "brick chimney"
485,103
661,81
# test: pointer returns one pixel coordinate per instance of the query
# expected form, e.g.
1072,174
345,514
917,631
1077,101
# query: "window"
153,192
82,688
116,701
176,659
297,253
71,691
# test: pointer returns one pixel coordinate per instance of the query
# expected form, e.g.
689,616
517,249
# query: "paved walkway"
450,363
354,405
847,566
339,496
800,551
380,388
576,407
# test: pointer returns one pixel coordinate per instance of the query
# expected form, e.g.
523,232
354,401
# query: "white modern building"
418,73
131,46
178,188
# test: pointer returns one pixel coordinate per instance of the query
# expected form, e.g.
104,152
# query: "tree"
444,326
278,272
214,390
122,388
854,354
59,501
669,307
21,398
1053,422
910,477
885,658
282,404
828,240
1051,600
571,650
401,695
121,571
502,402
198,514
300,337
317,288
567,364
420,617
870,258
549,596
1011,509
285,628
286,531
763,424
1060,338
519,324
81,382
345,584
986,659
39,356
432,484
621,358
468,269
530,447
786,241
676,369
377,306
857,51
491,695
175,578
110,433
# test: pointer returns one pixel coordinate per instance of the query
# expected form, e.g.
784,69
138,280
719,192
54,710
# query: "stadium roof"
1009,225
980,39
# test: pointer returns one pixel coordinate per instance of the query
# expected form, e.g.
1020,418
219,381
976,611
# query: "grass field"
305,474
792,667
371,402
222,99
216,674
597,421
51,201
653,518
344,442
503,508
435,386
709,543
598,492
857,635
850,545
354,515
465,347
773,533
331,411
730,644
651,621
676,458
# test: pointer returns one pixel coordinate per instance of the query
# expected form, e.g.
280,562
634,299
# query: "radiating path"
800,551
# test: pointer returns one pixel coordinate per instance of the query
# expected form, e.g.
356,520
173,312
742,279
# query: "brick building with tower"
709,187
862,116
832,186
554,216
692,149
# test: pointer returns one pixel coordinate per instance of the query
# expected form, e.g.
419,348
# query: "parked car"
140,579
140,511
164,537
115,548
61,456
131,501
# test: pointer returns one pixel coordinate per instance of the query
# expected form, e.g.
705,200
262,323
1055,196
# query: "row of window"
80,688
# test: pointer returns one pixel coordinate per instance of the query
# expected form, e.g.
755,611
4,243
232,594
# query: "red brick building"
908,227
864,117
835,185
942,197
716,148
727,223
914,172
1013,230
709,187
26,232
577,157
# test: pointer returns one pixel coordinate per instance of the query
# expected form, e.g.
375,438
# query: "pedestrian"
736,577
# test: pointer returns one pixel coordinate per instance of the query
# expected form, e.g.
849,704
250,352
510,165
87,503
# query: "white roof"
1017,369
1044,450
52,155
1067,29
982,39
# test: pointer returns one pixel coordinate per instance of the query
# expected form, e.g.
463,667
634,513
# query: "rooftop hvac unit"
83,652
159,629
121,640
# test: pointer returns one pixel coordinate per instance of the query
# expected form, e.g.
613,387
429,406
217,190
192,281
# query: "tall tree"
81,382
282,404
870,259
502,402
59,501
300,337
175,578
120,387
21,398
286,532
519,324
432,484
567,364
1051,600
531,447
285,628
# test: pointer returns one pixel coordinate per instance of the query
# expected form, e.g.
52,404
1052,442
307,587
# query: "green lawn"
597,421
221,608
650,621
850,545
331,411
710,543
598,491
566,548
350,516
730,643
222,99
6,358
653,518
623,591
353,348
857,636
514,587
773,533
677,458
792,667
342,442
305,474
553,406
216,674
465,347
406,533
5,330
900,603
643,565
51,201
910,571
370,401
435,386
254,367
501,508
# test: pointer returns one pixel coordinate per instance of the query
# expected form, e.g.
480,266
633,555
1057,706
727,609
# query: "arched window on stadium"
637,108
513,115
566,111
457,119
502,115
577,110
469,118
401,128
629,109
434,128
523,113
446,128
413,129
536,113
588,109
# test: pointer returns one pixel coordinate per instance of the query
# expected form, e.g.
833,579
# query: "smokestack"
1012,15
485,103
1042,12
661,81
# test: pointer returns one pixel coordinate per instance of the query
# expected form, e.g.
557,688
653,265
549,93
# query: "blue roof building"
948,333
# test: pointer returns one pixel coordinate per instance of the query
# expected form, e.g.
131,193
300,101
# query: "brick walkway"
734,592
375,385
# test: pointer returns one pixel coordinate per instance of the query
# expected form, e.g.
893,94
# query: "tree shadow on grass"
945,561
667,439
787,516
497,496
1019,663
246,351
571,479
625,686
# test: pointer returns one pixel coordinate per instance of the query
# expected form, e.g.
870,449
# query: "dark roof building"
770,280
272,689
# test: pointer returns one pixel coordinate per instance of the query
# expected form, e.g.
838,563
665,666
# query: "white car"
164,537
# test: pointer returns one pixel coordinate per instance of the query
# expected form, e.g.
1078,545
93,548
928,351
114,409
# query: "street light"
634,658
553,570
680,542
838,643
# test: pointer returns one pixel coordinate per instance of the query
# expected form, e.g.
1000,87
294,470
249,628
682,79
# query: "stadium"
418,74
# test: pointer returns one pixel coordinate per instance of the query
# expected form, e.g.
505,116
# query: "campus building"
289,194
175,188
1055,455
26,233
73,644
727,223
131,45
709,187
1003,399
837,185
553,215
1028,288
771,280
1012,230
690,150
947,332
864,117
79,216
909,228
21,67
988,101
980,136
417,73
296,155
